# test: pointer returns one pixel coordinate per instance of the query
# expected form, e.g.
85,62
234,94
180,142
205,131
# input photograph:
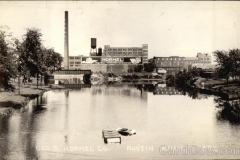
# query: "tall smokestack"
66,50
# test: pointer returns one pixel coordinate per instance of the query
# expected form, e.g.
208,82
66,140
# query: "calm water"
70,125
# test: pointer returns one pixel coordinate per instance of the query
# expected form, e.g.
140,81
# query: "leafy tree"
224,69
34,58
7,63
234,56
183,78
170,78
22,67
149,67
53,60
196,71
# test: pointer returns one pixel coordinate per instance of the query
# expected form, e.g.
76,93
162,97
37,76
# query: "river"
68,124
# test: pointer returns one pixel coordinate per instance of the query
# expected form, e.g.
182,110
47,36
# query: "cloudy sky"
169,28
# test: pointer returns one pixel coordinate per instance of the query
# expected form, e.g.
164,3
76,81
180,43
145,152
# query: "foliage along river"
69,125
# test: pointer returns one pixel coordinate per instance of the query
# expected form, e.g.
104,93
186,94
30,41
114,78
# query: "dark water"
68,124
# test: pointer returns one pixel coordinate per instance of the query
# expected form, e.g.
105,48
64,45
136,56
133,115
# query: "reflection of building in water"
69,80
76,86
120,90
191,92
70,76
167,91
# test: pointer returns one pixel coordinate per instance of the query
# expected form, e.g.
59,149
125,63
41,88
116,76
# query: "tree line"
26,58
228,64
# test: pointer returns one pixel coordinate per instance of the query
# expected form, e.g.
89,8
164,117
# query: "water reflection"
229,110
166,89
160,113
229,107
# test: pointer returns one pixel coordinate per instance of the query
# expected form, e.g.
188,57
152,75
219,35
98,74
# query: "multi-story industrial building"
75,62
171,64
174,64
204,58
113,59
104,64
140,52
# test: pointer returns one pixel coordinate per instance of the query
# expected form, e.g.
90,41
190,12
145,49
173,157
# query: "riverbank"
12,100
230,90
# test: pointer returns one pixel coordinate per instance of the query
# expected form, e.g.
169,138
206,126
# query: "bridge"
71,72
70,76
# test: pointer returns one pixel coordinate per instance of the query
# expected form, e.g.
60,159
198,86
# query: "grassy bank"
9,100
231,89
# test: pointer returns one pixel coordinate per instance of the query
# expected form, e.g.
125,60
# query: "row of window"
124,49
169,63
165,89
175,59
172,69
169,93
75,62
134,53
191,62
205,59
74,57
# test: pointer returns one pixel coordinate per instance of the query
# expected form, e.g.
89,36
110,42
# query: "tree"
225,66
7,63
183,78
53,60
196,71
22,67
149,67
170,78
32,49
234,59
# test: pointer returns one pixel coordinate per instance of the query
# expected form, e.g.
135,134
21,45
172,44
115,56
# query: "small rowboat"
126,131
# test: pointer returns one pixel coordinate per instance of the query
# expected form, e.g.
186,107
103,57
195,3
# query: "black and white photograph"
119,80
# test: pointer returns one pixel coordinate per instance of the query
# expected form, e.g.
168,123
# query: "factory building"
140,52
109,60
174,64
75,62
204,58
104,64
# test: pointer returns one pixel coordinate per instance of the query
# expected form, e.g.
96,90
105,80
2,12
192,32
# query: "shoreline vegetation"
13,100
24,59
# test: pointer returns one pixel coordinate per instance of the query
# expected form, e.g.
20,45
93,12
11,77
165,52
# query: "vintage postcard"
119,80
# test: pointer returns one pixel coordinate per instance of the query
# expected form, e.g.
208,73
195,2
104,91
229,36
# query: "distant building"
204,58
105,64
75,62
174,64
111,60
191,60
141,52
204,66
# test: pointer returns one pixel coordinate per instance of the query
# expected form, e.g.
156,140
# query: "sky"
170,28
